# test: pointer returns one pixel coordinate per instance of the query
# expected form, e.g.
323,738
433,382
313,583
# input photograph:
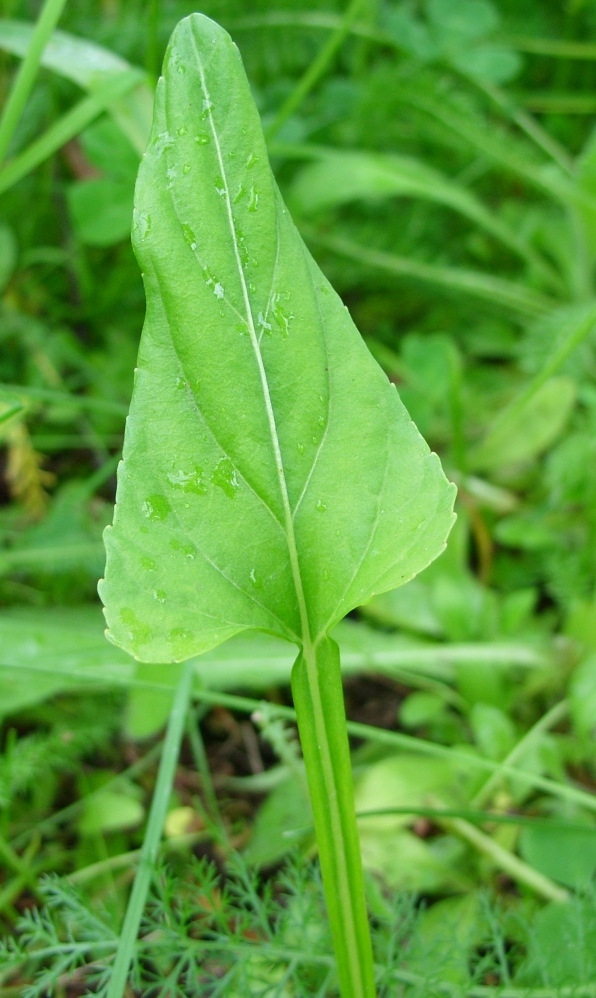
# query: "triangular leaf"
271,477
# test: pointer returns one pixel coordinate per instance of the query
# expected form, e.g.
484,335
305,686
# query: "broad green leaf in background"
531,428
101,208
271,478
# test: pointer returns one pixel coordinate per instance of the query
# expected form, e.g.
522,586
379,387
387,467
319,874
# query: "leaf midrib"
289,524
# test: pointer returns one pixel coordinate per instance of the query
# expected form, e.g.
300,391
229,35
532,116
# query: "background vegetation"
439,160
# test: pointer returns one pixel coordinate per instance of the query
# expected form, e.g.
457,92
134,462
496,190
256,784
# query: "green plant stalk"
546,722
315,70
318,699
27,72
481,285
505,860
65,129
151,842
152,53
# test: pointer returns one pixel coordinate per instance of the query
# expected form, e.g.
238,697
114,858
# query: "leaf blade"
264,446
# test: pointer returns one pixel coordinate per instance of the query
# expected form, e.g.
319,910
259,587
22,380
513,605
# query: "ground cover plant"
438,162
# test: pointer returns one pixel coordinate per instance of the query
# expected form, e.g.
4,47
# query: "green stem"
546,722
318,698
505,860
315,70
152,54
151,843
27,73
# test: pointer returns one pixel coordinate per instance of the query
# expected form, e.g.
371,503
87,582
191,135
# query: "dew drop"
139,632
188,550
240,194
253,199
321,506
162,142
325,574
321,420
159,595
225,478
262,322
178,634
183,130
186,169
218,290
189,236
142,223
180,383
202,139
301,448
207,105
181,68
251,160
148,564
188,481
324,289
156,507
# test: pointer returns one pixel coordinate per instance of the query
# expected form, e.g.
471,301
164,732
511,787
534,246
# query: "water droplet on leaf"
253,199
139,632
188,481
225,478
142,223
188,550
156,507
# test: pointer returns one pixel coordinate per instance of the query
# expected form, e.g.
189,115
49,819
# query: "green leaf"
566,855
464,21
271,477
284,811
561,947
110,811
101,210
530,429
582,696
488,62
